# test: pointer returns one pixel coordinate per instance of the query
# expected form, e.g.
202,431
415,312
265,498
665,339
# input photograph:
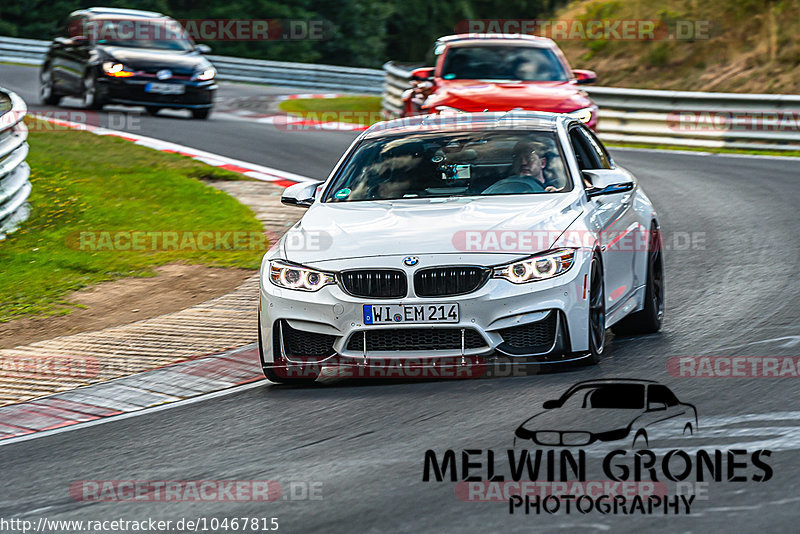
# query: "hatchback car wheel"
91,99
201,113
47,94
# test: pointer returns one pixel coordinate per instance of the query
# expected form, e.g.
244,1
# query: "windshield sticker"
342,193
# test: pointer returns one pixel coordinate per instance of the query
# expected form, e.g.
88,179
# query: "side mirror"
422,74
584,76
549,405
656,406
203,49
300,195
607,181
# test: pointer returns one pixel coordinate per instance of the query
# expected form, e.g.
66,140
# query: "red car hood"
476,95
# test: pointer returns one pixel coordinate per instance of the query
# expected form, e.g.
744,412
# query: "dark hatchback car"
122,56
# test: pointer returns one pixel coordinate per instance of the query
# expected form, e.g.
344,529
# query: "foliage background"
754,45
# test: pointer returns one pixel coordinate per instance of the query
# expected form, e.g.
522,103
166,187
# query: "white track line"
252,170
143,411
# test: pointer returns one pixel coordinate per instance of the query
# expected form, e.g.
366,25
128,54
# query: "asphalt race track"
731,229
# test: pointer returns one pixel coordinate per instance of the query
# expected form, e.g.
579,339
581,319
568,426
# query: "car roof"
498,38
487,121
100,12
611,381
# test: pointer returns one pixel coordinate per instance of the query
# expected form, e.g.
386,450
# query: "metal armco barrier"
14,172
323,77
680,118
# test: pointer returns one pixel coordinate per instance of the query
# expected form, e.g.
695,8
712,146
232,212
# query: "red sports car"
497,72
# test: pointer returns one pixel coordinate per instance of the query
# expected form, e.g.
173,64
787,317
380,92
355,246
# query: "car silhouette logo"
164,74
411,261
610,410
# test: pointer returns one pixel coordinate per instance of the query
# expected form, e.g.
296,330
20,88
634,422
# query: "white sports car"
451,240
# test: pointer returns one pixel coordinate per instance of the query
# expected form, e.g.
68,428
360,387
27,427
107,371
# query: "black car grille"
449,281
384,283
176,72
533,337
403,339
301,343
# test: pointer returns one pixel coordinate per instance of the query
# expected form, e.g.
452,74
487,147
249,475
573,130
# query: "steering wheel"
515,184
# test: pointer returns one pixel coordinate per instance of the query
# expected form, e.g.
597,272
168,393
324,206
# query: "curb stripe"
251,170
160,387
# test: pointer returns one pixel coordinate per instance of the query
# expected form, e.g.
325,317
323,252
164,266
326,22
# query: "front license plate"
410,313
165,88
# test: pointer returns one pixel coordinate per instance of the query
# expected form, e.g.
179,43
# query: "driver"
526,163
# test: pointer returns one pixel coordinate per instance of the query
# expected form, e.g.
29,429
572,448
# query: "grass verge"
363,110
99,186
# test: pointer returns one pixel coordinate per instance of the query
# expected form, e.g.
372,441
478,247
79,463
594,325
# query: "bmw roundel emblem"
411,261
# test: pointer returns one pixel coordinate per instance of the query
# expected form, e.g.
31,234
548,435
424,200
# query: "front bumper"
131,92
539,322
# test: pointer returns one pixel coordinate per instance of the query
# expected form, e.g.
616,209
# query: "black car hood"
149,59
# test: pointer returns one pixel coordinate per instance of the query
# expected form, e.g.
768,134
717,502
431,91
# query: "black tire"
269,367
648,320
201,113
91,98
47,94
152,110
597,313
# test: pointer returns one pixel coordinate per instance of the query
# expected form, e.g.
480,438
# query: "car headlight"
298,277
207,74
117,70
584,114
539,267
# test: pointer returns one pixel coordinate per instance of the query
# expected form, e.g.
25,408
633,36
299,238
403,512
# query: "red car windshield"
515,63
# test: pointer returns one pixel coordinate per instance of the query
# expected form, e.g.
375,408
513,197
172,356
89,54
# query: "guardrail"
14,172
322,77
678,118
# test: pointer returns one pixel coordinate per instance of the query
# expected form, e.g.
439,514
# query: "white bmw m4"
440,242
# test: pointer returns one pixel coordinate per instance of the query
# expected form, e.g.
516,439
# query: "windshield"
517,63
135,33
609,396
452,165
